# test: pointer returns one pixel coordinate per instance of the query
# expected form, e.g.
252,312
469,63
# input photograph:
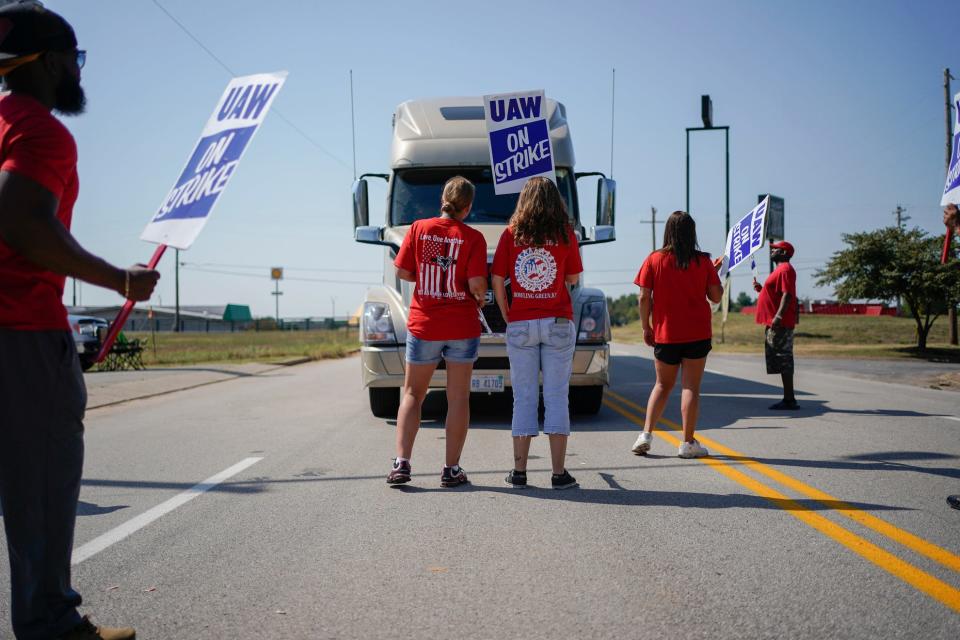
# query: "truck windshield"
416,195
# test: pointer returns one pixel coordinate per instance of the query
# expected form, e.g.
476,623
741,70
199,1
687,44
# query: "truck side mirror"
606,202
361,204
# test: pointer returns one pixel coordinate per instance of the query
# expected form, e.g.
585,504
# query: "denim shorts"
430,351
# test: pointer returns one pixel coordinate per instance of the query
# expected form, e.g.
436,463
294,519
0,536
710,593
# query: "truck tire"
384,401
586,400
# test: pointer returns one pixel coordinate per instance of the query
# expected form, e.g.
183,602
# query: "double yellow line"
928,584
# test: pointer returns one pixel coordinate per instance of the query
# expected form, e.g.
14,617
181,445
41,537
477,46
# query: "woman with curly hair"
675,283
539,254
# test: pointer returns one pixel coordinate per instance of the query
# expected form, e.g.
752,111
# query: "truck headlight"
593,322
377,325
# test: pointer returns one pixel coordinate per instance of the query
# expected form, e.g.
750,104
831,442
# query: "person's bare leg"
458,409
415,385
558,452
690,377
666,378
521,451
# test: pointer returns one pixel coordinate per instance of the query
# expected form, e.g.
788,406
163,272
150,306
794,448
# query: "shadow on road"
618,496
727,399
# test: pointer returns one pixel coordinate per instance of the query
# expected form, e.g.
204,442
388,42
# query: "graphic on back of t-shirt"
438,268
535,270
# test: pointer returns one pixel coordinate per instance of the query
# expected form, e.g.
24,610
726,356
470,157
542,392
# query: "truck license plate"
486,384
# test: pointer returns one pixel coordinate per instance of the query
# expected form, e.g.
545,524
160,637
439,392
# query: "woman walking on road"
675,283
539,253
448,262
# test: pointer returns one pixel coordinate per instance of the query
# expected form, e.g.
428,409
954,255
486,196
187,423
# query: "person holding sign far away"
951,218
448,262
675,283
538,251
777,310
42,392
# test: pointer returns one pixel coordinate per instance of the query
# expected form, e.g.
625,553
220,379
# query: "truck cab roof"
424,129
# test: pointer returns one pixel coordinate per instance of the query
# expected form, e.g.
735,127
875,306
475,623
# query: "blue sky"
837,107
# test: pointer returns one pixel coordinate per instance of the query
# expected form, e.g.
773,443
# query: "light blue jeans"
546,345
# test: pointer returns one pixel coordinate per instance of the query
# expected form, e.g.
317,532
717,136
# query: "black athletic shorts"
673,353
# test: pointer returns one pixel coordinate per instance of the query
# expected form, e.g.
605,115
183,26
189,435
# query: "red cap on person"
783,244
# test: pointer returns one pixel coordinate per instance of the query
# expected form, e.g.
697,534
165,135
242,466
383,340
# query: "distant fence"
837,309
200,325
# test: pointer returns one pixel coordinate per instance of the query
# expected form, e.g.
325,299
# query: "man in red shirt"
951,218
777,311
42,393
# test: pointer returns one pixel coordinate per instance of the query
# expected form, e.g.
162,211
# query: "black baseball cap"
29,27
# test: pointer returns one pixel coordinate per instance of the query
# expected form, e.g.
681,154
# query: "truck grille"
484,364
491,313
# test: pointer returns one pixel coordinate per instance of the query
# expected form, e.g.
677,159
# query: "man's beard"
69,98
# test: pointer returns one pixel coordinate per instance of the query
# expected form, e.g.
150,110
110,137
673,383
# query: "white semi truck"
434,140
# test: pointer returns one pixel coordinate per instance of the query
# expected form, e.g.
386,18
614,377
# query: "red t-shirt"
681,312
35,145
443,254
537,276
782,280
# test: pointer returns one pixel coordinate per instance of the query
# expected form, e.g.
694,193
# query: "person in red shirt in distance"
538,251
777,311
675,283
448,262
42,392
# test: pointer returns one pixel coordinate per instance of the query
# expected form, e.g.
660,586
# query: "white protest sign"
745,237
951,191
238,114
519,139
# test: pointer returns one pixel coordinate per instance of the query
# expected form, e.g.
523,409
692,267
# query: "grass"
827,336
246,346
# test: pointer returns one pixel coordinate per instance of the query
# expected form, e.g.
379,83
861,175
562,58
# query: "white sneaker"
642,445
692,450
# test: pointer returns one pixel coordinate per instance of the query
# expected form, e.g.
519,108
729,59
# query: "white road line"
100,543
715,372
950,418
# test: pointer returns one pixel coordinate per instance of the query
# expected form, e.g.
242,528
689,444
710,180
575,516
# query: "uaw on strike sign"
951,191
519,139
238,114
745,237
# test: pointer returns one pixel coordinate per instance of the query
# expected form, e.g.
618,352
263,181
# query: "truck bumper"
384,366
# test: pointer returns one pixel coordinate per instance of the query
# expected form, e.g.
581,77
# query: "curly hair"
680,238
541,215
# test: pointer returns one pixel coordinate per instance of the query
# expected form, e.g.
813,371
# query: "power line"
267,276
233,74
265,267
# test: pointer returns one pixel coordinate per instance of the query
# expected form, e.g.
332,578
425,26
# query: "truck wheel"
86,363
384,401
586,400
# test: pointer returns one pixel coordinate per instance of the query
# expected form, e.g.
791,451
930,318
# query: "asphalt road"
825,523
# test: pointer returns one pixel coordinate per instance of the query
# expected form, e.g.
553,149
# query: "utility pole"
901,219
653,228
176,286
951,304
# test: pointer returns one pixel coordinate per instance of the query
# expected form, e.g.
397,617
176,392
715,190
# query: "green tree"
889,263
743,300
623,310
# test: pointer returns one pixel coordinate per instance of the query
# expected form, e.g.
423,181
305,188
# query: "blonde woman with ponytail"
448,262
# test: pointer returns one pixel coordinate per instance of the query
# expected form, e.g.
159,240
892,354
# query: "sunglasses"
81,58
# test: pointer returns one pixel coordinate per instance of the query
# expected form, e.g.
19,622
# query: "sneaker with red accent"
400,472
453,476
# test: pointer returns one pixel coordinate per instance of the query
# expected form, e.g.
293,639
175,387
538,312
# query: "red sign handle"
946,245
121,318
